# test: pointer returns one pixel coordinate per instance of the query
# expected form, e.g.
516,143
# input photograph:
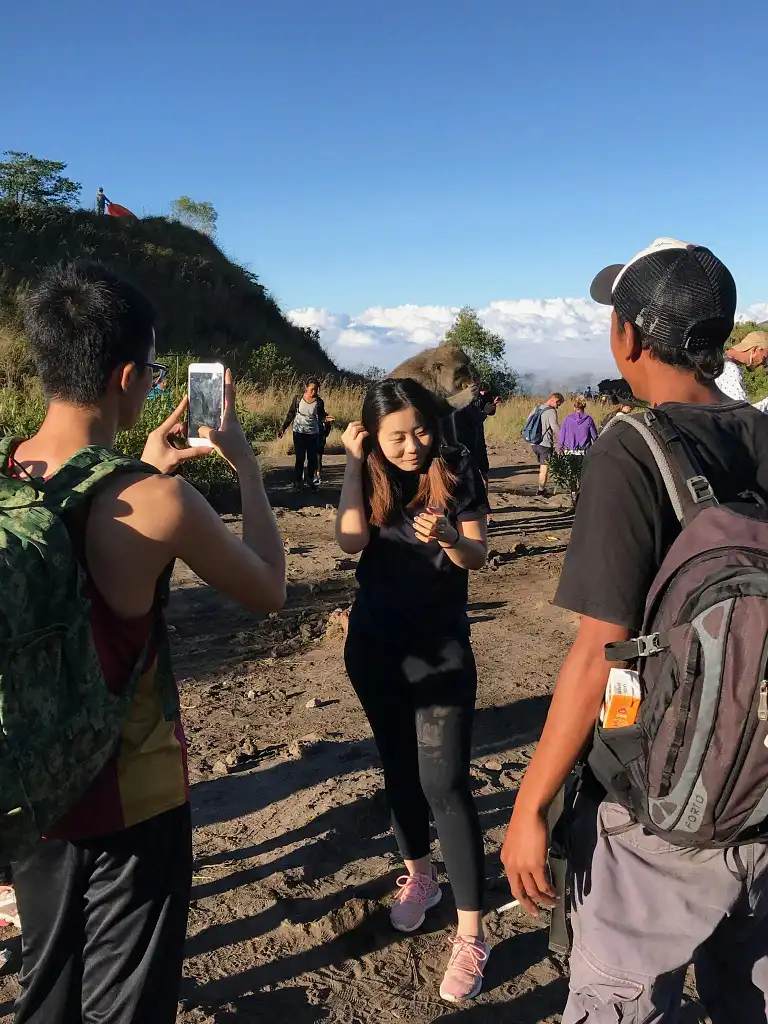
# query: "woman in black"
417,512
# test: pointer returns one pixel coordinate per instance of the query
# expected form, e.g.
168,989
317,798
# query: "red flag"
115,210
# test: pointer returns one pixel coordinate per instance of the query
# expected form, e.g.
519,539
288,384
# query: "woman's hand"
353,438
159,450
433,525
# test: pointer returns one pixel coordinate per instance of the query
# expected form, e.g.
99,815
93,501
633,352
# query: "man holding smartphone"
104,897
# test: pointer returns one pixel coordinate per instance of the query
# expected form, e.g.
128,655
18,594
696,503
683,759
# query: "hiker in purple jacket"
578,431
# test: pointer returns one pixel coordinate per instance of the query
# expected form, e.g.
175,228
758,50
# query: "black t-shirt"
407,586
470,432
625,523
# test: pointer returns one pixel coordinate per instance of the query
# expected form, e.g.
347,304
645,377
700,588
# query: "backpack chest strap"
639,647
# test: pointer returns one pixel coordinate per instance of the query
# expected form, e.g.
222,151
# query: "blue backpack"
533,431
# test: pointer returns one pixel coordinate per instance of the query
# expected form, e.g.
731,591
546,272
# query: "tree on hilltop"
485,348
200,216
30,181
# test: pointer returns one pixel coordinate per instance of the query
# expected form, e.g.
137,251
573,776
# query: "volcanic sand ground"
294,860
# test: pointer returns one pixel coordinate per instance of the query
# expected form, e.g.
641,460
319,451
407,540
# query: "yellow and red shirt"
148,773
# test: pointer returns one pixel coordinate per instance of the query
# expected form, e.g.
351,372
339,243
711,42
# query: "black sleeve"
291,415
470,498
624,522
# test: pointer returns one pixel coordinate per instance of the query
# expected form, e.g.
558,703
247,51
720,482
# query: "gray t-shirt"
549,427
306,421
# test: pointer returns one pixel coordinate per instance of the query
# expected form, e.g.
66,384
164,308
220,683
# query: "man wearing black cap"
642,909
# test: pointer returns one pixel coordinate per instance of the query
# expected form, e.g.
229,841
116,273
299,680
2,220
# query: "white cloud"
553,342
758,311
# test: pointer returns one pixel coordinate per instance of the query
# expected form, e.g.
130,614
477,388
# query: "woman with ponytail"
417,513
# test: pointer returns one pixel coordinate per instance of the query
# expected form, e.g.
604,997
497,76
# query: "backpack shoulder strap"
690,492
79,478
8,445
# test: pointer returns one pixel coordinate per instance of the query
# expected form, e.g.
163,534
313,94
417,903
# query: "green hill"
207,305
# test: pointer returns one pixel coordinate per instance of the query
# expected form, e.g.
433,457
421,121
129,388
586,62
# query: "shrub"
565,472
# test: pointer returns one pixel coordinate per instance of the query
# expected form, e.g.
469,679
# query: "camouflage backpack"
59,724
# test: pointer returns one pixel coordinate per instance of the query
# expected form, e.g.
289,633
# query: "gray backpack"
694,766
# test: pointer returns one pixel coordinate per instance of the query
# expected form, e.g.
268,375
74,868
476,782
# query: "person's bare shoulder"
151,504
133,533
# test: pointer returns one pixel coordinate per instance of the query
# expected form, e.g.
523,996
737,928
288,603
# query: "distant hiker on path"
578,432
307,413
101,201
541,431
161,394
751,351
470,427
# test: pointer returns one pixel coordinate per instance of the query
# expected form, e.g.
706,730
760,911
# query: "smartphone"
206,399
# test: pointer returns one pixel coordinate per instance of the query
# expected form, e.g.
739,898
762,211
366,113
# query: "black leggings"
305,446
420,703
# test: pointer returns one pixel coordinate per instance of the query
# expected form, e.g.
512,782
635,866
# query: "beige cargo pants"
644,910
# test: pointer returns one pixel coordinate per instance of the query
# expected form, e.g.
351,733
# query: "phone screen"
206,400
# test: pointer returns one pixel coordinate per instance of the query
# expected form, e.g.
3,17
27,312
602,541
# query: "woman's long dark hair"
381,487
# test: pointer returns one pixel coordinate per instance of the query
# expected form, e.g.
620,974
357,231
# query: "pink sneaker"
464,974
418,894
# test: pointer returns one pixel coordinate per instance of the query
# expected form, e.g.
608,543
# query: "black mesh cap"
675,293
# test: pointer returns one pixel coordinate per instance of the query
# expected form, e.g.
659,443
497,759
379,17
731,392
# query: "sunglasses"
159,373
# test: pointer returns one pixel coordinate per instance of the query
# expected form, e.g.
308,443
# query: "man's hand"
229,440
524,856
571,719
160,452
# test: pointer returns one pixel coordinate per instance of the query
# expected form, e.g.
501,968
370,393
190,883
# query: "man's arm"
570,722
613,555
251,571
561,438
550,427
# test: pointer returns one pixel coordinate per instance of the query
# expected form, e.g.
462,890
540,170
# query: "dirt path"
294,861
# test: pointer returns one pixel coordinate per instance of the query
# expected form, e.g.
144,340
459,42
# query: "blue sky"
434,152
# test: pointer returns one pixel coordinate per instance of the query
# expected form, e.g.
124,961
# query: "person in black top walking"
470,427
417,512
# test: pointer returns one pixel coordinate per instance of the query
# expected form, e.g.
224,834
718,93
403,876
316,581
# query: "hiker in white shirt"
751,351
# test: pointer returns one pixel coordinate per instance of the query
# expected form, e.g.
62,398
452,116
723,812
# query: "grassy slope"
206,304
